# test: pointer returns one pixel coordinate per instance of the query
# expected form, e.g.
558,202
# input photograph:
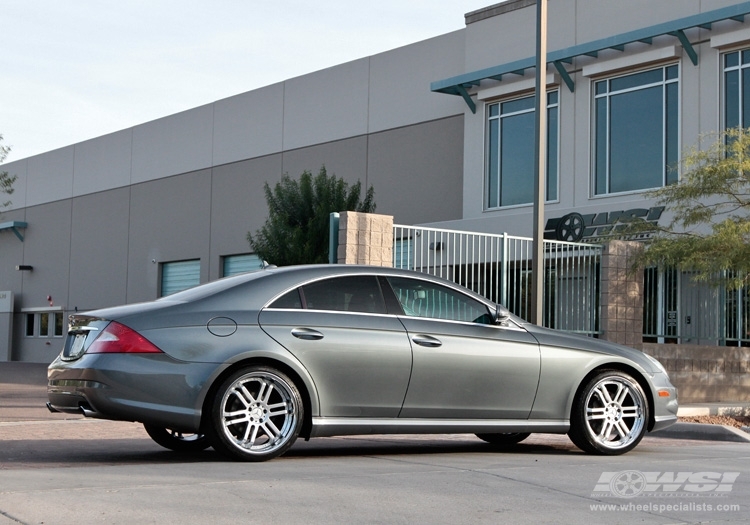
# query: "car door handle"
427,340
306,333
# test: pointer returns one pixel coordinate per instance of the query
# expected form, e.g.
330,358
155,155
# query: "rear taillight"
119,339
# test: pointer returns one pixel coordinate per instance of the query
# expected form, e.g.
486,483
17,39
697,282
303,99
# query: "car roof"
272,281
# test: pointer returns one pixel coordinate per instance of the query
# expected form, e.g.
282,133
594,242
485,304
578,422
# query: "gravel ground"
733,421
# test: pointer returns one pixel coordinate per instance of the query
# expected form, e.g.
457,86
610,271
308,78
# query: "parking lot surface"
65,469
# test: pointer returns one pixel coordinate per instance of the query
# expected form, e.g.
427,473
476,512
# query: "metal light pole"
540,151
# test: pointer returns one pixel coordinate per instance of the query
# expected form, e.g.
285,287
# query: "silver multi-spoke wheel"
257,414
610,415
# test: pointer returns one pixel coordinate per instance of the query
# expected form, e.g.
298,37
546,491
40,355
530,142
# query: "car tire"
610,414
256,414
504,440
177,441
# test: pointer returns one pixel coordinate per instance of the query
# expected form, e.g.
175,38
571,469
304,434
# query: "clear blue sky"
74,70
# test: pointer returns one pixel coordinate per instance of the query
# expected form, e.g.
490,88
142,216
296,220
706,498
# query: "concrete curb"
703,432
714,409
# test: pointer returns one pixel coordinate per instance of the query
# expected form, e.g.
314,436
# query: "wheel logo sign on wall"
595,227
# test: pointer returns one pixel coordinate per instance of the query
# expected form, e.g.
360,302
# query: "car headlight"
658,365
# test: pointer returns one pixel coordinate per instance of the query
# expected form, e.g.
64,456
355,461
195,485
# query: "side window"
345,294
425,299
290,300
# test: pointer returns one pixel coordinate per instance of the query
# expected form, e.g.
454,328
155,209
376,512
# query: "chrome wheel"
610,415
257,414
175,440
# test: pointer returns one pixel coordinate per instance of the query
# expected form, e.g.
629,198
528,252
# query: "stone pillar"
621,294
365,238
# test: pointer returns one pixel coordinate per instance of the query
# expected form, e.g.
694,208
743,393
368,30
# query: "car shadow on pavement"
32,453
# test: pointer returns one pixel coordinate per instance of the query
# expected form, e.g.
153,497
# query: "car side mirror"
502,315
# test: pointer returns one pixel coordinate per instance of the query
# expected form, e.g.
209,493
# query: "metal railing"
679,309
499,268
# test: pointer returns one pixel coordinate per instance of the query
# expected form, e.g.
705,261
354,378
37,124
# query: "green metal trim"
564,75
687,46
467,98
13,226
457,85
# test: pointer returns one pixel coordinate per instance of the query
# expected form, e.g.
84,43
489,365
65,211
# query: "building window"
44,324
636,142
737,89
510,151
180,275
236,264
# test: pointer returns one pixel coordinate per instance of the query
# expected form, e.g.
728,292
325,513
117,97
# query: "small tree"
297,228
6,181
710,228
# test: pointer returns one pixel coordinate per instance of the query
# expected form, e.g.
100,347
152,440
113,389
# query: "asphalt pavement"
66,469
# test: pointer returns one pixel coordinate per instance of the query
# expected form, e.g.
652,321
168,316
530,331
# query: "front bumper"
665,406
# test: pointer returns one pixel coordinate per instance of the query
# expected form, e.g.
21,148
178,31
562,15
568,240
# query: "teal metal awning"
14,226
459,85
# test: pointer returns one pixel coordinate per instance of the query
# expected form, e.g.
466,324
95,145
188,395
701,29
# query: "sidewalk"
23,395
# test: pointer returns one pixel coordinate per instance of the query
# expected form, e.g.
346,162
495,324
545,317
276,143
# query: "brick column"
621,295
365,238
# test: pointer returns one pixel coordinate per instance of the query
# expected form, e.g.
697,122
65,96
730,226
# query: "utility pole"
540,150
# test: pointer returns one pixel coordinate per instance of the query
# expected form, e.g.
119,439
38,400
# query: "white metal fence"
499,268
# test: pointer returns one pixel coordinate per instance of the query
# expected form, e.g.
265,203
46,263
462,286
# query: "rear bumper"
149,388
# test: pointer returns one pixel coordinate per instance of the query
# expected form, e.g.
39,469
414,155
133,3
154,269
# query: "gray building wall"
106,248
105,213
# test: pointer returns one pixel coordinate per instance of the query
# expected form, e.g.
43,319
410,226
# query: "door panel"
360,363
470,371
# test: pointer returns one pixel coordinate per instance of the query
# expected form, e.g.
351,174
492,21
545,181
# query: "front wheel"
177,441
256,415
610,414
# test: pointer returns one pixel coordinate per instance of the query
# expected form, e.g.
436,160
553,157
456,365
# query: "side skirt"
342,426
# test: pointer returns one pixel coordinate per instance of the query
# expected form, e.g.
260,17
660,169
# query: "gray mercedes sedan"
247,364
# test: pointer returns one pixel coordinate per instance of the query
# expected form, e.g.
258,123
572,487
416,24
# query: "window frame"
742,102
497,143
665,149
55,319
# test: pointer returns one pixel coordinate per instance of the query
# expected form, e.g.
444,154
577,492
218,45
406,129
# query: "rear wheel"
177,441
256,415
504,440
610,414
